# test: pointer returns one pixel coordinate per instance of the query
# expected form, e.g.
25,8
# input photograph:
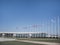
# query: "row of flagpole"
54,26
58,26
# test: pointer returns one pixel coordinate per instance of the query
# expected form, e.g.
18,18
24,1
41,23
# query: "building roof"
22,32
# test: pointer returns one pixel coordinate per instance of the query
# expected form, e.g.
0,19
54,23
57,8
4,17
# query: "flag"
53,20
34,26
24,27
16,27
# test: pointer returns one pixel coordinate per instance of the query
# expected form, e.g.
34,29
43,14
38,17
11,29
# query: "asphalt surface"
6,39
35,42
38,42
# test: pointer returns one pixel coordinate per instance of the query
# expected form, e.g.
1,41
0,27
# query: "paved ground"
38,42
6,39
35,42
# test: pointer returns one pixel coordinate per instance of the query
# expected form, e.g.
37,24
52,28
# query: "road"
6,39
35,42
38,42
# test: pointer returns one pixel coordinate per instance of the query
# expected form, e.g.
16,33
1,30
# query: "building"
23,34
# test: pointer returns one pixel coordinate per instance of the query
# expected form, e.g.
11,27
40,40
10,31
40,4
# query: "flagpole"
52,28
55,28
43,29
58,28
47,28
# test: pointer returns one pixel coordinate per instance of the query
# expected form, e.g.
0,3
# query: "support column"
3,35
30,35
14,35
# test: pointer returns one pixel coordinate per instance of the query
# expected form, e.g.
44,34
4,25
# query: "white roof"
21,32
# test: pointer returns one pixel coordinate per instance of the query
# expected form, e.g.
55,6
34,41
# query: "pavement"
38,42
28,41
6,39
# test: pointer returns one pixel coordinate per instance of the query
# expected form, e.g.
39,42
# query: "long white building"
23,34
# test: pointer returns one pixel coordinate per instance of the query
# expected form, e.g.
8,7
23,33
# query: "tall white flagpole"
50,30
52,27
55,28
47,28
58,27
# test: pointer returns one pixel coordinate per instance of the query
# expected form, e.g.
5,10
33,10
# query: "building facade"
23,34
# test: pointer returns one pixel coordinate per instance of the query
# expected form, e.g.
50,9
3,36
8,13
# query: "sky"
29,15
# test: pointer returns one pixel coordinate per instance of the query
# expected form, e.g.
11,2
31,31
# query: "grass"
42,39
16,43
